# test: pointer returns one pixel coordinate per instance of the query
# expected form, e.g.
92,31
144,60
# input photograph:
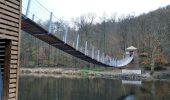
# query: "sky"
68,9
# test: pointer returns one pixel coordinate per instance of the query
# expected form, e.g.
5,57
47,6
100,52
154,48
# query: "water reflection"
49,88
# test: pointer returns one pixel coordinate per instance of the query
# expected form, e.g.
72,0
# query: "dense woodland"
150,33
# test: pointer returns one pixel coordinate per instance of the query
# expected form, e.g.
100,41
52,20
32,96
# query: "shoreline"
78,73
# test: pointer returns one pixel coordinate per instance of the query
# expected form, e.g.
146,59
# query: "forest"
149,32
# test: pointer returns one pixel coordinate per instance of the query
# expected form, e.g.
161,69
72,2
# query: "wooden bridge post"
10,29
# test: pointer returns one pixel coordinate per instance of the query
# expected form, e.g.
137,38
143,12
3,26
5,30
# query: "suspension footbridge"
47,33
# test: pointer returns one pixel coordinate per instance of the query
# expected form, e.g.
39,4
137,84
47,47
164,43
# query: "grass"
97,69
92,71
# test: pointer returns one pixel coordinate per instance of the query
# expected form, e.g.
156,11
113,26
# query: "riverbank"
113,74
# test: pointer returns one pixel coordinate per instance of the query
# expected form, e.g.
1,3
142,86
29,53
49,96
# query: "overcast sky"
68,9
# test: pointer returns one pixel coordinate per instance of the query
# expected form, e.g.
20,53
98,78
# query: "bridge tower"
10,28
133,67
132,51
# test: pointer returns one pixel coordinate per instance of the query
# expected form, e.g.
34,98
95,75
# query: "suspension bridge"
27,15
31,24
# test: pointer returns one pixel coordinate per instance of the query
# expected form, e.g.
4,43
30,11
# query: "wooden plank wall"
10,27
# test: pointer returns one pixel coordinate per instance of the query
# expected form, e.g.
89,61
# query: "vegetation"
150,33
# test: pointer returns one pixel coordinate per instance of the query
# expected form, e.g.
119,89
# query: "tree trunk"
152,66
153,60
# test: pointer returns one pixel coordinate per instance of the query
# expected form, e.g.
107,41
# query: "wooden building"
10,27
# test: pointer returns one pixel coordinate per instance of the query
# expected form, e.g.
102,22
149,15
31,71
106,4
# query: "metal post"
33,16
63,38
93,52
50,23
109,60
28,8
81,49
77,44
98,55
73,44
86,48
66,32
116,63
102,57
87,52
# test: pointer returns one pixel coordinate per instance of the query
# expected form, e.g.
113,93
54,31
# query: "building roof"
131,48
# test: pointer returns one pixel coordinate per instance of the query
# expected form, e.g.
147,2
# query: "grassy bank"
85,72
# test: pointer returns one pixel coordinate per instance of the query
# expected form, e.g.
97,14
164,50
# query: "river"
67,88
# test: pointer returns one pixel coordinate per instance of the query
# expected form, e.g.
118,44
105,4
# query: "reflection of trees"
162,90
129,91
68,89
155,90
48,88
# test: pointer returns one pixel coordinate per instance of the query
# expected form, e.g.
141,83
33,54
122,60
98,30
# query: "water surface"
62,88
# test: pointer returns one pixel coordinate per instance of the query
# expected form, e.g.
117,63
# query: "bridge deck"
36,30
